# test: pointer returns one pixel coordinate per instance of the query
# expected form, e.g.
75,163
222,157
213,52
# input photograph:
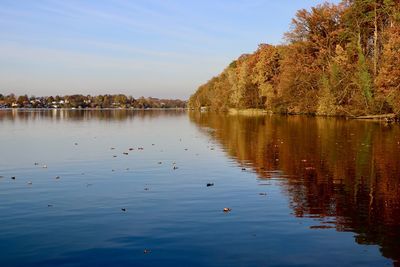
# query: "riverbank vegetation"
338,59
87,101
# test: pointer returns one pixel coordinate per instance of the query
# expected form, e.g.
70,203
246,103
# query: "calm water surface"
302,191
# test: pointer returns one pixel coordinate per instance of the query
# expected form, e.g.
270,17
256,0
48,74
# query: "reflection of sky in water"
178,217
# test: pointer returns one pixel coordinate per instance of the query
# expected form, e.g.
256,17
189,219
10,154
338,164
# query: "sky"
158,48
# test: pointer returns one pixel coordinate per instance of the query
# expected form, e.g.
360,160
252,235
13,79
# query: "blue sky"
159,48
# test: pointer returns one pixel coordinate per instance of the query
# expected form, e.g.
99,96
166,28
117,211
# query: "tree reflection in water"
344,173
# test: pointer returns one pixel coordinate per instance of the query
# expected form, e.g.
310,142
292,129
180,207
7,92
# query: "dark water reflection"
345,173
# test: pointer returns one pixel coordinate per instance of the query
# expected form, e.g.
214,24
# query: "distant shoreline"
78,101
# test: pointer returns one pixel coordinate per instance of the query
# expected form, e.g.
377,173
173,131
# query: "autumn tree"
388,80
22,100
339,59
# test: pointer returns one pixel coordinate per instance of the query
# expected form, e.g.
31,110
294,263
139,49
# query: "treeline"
88,101
339,59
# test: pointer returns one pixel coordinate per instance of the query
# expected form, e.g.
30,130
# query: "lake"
149,188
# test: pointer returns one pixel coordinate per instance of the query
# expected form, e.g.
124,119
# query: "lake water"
302,191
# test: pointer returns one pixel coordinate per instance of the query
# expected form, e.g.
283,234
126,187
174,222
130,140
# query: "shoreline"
391,117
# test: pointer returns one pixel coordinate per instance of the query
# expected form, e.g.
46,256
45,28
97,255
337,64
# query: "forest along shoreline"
338,60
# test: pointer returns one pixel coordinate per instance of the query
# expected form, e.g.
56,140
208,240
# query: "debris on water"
140,148
174,165
123,209
243,169
147,251
227,209
13,177
125,153
210,184
263,194
130,149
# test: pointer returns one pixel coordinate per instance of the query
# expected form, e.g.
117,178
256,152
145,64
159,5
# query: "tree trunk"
375,41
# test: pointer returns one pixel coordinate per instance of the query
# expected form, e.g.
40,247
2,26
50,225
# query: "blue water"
70,213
